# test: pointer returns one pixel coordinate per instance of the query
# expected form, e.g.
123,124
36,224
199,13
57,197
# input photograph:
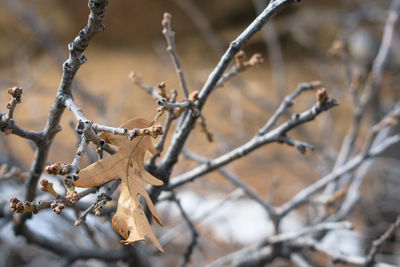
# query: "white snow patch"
242,221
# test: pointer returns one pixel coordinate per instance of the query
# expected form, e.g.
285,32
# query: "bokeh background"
33,44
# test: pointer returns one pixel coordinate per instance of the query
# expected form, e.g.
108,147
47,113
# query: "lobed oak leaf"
127,164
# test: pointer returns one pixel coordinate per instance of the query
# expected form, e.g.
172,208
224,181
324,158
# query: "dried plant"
333,196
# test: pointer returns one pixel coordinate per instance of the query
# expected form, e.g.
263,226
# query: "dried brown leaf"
127,164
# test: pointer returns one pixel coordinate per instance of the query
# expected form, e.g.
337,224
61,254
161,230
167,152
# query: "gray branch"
70,67
256,142
181,135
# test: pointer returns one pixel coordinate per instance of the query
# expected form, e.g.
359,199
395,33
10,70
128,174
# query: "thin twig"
305,194
379,242
276,61
254,143
171,48
286,103
235,180
193,242
180,137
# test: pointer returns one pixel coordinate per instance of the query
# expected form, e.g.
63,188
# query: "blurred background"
295,47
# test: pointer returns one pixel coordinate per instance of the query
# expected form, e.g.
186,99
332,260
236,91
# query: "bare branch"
335,256
74,253
235,180
304,194
189,250
179,138
387,37
254,143
70,67
299,260
276,61
379,242
171,48
287,103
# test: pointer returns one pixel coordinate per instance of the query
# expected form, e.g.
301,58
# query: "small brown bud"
240,57
72,196
256,59
157,129
162,85
194,96
132,75
166,19
161,90
16,93
336,48
57,207
19,207
322,96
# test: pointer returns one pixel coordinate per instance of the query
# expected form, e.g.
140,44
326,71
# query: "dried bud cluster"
154,131
57,207
194,96
71,195
98,208
18,206
16,93
48,187
240,57
322,96
241,62
162,90
254,60
102,199
58,168
166,19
